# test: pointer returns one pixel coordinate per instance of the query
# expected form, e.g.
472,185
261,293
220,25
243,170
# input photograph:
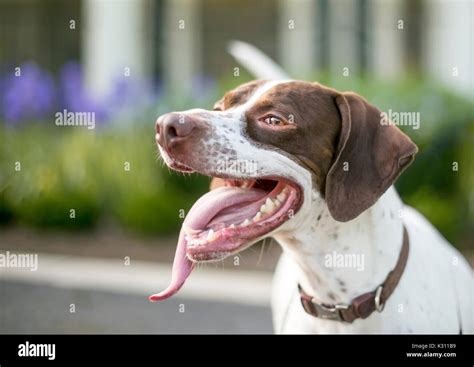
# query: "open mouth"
233,216
228,219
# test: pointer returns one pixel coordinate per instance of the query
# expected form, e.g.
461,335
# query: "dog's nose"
172,128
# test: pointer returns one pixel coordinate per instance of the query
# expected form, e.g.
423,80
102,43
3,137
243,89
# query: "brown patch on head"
337,136
313,124
238,96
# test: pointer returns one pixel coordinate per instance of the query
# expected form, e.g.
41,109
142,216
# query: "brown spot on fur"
238,96
316,124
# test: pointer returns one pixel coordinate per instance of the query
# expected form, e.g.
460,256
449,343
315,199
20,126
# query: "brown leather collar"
362,306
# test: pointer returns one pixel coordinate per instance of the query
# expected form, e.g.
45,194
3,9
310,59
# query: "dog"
314,168
317,175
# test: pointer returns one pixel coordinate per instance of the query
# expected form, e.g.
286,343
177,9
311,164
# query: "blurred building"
176,40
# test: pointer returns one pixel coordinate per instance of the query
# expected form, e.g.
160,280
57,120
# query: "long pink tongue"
198,217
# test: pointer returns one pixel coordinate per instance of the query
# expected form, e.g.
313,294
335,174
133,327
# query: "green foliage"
75,168
98,174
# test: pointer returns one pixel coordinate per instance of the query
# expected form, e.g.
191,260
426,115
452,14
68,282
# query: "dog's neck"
340,261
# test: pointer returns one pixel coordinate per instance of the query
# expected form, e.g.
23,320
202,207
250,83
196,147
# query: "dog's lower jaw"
339,261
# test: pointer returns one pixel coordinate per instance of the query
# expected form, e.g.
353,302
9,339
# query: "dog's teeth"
270,205
277,203
245,223
232,226
281,196
257,217
211,236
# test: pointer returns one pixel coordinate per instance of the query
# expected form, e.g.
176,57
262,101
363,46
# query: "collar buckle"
330,312
379,305
323,311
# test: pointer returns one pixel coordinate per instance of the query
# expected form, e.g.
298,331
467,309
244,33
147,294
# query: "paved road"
34,309
110,297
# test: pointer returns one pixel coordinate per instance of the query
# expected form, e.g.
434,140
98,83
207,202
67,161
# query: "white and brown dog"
314,168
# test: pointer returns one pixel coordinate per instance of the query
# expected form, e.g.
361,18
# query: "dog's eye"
273,120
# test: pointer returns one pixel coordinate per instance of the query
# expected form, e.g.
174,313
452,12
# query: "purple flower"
74,95
127,94
34,95
30,95
130,93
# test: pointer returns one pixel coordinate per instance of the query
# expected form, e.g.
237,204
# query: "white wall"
386,54
182,47
449,43
297,36
114,37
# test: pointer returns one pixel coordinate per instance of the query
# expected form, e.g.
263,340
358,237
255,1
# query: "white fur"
435,293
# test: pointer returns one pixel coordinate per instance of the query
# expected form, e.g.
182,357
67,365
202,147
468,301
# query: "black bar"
327,350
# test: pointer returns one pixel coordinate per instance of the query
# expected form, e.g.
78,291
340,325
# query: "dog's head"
271,147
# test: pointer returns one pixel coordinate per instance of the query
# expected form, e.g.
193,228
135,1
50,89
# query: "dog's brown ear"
370,156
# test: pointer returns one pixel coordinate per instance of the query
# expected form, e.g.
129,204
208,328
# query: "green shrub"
45,176
98,174
6,212
86,170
